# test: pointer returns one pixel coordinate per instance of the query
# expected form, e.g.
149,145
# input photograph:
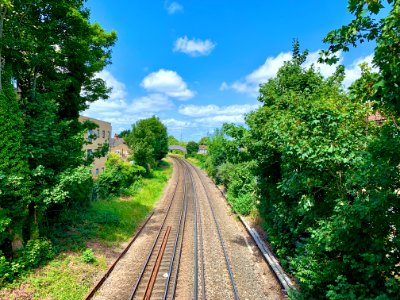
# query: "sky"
197,64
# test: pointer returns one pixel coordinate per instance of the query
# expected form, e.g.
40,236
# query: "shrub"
36,253
118,176
74,187
88,256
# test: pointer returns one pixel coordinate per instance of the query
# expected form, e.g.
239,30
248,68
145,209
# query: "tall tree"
52,52
192,147
149,141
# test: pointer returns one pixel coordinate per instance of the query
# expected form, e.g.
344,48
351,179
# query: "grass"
197,160
106,224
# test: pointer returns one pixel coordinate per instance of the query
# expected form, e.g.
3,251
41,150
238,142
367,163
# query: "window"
104,134
98,133
109,134
89,152
89,135
97,171
102,169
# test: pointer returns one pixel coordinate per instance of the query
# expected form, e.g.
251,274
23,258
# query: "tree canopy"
148,141
50,54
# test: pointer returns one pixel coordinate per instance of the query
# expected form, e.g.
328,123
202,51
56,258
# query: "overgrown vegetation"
42,165
104,224
324,179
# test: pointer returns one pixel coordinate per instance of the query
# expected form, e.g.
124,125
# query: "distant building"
202,149
119,146
377,118
98,136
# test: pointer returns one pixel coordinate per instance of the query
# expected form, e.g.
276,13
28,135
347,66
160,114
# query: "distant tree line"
324,179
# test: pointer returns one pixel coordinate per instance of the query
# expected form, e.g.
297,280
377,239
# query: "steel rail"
156,268
195,269
134,290
219,233
180,226
201,241
107,274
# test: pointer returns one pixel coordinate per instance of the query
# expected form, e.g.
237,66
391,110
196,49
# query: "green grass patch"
105,223
198,160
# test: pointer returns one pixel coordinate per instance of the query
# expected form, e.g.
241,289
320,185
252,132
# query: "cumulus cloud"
250,84
121,112
216,121
353,72
194,47
151,103
173,7
173,123
209,110
168,83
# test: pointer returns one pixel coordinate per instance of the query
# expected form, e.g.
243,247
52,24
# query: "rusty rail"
156,267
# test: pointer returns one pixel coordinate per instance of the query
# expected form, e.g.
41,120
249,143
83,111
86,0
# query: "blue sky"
196,64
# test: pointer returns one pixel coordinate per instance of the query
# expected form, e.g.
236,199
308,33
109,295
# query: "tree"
148,141
192,147
124,133
172,140
204,140
379,174
14,172
52,52
385,32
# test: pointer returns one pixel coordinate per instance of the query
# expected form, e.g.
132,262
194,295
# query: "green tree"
52,53
148,141
192,147
124,133
204,140
367,25
174,141
14,171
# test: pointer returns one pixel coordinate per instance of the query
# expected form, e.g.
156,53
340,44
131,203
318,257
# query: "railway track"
195,172
185,256
159,274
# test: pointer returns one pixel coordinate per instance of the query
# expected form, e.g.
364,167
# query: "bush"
74,187
242,204
118,176
36,253
88,256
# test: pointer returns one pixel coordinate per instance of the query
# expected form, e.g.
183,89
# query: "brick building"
119,146
97,137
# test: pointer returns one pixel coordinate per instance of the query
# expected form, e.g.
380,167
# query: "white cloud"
250,84
210,110
121,112
177,124
217,121
173,7
168,83
194,47
150,103
353,72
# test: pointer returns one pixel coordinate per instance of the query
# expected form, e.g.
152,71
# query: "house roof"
116,141
377,117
